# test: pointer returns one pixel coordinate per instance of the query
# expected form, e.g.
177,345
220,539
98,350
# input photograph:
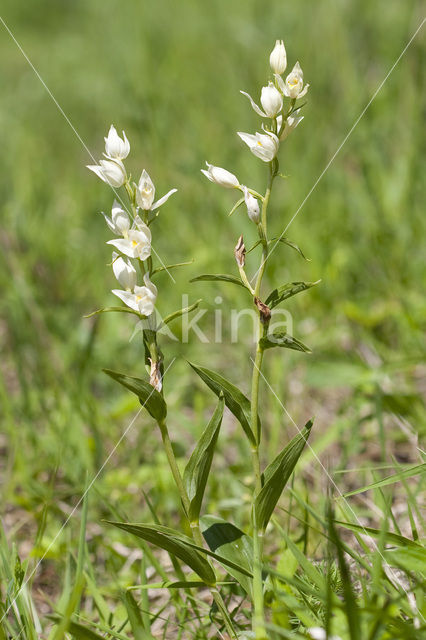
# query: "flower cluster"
283,119
132,229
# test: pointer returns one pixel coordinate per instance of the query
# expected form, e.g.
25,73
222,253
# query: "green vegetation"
169,74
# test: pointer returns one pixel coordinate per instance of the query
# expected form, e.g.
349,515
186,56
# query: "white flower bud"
124,271
110,171
119,223
115,147
271,100
252,204
221,176
278,58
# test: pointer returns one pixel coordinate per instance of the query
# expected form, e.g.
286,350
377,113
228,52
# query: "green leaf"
78,630
350,603
281,339
291,244
173,542
198,468
236,205
171,266
408,559
118,310
276,476
396,477
287,291
389,537
177,314
135,617
235,400
274,241
231,543
219,276
148,396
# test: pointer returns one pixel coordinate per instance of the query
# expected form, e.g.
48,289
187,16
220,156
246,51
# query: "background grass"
170,74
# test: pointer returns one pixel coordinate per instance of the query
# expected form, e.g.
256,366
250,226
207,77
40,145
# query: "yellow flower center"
134,243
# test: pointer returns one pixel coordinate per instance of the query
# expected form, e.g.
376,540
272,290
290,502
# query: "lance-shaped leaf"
117,310
281,339
287,291
177,314
224,277
198,468
235,400
276,476
274,242
388,536
230,543
173,542
171,266
148,396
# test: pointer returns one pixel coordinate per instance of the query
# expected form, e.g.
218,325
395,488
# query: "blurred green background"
169,74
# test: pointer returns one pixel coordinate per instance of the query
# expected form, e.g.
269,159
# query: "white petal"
125,246
110,224
248,138
128,298
162,200
304,91
254,105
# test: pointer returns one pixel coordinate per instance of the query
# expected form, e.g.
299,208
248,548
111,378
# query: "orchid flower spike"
142,299
124,271
119,223
293,85
110,171
252,204
115,147
263,145
270,99
221,177
145,193
136,242
290,124
278,58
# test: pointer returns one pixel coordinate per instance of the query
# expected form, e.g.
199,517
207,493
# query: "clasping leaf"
149,397
276,476
235,400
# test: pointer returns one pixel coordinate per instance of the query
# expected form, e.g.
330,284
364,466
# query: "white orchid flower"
252,204
293,85
278,58
115,147
119,223
221,176
263,145
145,193
290,124
142,299
136,242
124,271
110,171
270,99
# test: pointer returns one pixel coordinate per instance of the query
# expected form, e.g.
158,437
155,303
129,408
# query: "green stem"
258,626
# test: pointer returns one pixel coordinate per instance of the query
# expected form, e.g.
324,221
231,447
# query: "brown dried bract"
240,252
264,310
155,375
